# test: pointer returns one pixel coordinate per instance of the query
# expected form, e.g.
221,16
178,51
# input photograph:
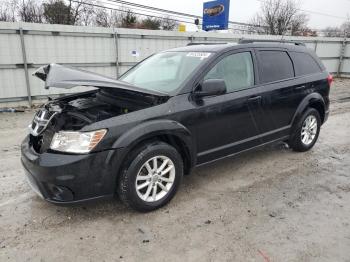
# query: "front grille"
41,119
42,142
41,130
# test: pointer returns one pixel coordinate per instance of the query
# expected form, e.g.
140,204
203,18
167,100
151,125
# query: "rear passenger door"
278,91
307,74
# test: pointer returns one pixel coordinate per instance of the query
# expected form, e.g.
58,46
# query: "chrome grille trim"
41,119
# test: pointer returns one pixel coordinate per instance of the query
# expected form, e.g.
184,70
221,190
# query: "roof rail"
206,43
250,41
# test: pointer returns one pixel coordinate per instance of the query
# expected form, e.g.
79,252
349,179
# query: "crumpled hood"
59,76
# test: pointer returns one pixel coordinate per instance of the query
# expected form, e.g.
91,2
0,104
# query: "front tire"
151,177
306,131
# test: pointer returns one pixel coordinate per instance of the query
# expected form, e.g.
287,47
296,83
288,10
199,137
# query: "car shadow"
114,208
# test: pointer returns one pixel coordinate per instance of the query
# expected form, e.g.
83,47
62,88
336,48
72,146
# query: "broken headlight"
76,142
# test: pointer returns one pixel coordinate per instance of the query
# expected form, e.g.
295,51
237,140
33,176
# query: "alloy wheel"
309,130
155,178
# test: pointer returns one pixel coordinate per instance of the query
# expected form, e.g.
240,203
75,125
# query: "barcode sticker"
201,55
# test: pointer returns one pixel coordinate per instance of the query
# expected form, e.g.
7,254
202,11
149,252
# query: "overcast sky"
243,10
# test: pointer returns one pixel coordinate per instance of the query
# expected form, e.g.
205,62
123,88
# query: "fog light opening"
61,193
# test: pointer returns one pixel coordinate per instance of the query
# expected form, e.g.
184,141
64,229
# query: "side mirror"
210,87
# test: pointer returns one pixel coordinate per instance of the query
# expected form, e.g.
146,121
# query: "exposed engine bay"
73,112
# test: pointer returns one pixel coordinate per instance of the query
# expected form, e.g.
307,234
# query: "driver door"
225,123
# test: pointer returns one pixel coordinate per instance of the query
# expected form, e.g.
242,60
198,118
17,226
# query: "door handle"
254,99
300,87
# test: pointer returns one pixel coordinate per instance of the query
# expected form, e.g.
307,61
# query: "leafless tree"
113,18
345,27
78,12
74,9
102,18
338,31
298,24
128,19
167,23
116,18
86,13
332,31
30,11
8,11
277,17
4,15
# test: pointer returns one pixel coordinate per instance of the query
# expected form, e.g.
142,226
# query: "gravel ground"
266,205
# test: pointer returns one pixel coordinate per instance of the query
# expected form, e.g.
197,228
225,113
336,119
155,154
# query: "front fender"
147,130
151,128
308,100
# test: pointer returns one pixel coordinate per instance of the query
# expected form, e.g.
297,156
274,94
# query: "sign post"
182,28
215,15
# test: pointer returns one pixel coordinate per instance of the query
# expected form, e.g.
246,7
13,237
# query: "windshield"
164,72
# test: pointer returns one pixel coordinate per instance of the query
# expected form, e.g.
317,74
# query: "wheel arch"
167,131
314,100
320,108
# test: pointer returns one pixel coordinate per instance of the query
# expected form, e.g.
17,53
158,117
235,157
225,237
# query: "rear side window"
274,66
304,64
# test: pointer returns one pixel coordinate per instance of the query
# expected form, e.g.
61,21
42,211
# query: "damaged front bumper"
69,178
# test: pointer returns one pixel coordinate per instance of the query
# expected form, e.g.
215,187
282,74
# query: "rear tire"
151,177
306,131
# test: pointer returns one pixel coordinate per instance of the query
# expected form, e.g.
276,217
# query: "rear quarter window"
274,66
304,64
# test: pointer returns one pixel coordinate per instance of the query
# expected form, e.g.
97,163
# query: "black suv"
175,110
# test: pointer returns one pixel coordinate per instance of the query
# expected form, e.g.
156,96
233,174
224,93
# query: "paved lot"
270,204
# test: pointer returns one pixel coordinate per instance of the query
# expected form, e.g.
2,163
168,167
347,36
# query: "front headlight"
76,142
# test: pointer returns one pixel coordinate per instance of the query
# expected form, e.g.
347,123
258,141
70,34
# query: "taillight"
330,79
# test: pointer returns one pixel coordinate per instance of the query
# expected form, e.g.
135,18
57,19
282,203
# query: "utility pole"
24,11
69,12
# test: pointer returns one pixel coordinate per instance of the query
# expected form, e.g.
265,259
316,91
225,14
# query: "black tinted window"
275,65
236,70
304,64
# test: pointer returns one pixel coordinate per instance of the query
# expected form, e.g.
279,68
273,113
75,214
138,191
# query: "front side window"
164,72
275,65
236,70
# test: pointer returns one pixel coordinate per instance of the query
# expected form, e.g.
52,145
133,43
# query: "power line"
126,11
312,12
152,12
153,16
154,8
320,13
169,11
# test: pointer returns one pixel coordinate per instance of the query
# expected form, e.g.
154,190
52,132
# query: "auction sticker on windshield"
201,55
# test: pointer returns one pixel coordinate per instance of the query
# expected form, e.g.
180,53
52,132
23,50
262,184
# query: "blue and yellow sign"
215,15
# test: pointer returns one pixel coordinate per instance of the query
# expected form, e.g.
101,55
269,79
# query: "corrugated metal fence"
25,47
